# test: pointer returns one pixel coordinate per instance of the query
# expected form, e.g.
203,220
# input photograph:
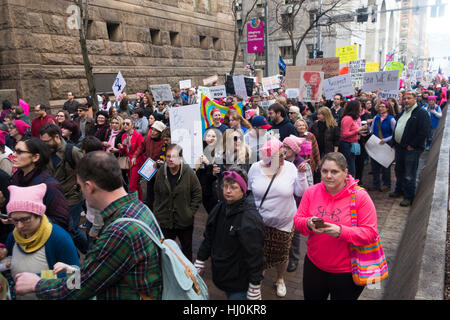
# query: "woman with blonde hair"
235,150
235,121
326,131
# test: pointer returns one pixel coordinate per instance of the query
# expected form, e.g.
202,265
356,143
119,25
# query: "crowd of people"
266,176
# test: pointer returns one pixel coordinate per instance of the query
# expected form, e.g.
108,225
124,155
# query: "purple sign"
255,36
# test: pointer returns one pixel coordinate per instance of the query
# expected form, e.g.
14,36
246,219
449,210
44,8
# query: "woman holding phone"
324,217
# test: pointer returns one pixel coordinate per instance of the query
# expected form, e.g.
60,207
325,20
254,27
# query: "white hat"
158,125
294,109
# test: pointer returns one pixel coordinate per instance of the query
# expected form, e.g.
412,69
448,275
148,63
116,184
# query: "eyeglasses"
19,152
127,123
23,220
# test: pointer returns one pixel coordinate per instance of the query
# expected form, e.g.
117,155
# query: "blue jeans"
406,165
237,295
344,148
78,237
385,172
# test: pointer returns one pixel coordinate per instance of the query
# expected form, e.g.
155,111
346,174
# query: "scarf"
37,240
112,139
127,141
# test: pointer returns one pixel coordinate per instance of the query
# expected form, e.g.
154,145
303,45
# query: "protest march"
101,192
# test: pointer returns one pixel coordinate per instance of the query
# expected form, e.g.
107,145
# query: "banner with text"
384,81
161,92
356,69
329,66
340,84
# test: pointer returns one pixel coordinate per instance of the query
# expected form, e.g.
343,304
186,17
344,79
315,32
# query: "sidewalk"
391,222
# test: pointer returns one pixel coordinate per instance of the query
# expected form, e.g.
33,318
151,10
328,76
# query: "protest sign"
186,131
255,36
229,85
148,170
372,66
357,68
381,153
185,84
293,73
161,92
239,86
292,93
384,81
329,66
210,80
347,53
206,107
119,85
395,65
384,95
266,104
311,86
340,84
270,83
217,92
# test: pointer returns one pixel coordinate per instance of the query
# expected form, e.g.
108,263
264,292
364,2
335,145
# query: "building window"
114,33
286,52
91,31
310,51
204,42
175,39
155,34
216,44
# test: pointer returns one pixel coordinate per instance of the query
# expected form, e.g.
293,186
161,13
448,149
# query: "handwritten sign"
186,131
210,80
340,84
384,81
270,83
185,84
329,66
292,78
161,92
372,66
217,92
239,86
357,68
347,53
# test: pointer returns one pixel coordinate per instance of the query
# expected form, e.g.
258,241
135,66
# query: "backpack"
180,278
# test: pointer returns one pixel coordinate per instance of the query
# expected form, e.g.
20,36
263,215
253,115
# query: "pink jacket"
349,129
326,252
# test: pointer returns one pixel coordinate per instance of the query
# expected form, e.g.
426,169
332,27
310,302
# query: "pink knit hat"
27,199
306,148
3,135
250,113
294,143
270,148
21,126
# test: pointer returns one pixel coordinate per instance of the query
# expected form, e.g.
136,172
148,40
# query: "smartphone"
318,223
3,216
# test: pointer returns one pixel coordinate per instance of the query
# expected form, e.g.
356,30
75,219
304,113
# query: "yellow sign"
372,66
347,54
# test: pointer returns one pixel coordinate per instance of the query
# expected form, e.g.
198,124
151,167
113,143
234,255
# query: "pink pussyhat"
3,135
21,126
25,106
270,148
27,199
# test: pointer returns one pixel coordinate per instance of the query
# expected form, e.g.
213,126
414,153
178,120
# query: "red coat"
136,142
37,124
152,148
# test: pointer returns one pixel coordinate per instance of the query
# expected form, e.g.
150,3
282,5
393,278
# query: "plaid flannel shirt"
121,264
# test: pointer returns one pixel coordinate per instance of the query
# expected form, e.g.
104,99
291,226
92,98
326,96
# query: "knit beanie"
270,148
27,199
21,126
3,135
294,143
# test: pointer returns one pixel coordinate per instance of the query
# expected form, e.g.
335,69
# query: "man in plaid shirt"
123,262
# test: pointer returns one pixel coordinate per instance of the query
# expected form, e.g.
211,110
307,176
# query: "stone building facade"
150,42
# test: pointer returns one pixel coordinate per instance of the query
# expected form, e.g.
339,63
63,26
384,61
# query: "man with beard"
64,159
152,148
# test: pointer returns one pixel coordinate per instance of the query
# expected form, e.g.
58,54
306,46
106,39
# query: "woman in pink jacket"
327,268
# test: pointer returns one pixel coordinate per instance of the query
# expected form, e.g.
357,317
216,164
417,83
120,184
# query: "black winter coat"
416,130
234,239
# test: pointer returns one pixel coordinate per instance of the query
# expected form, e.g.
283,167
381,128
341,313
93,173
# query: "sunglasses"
127,123
235,138
19,152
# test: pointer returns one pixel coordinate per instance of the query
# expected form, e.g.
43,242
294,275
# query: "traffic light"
362,14
374,13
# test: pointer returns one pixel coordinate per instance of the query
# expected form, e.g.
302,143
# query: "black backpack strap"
68,155
268,188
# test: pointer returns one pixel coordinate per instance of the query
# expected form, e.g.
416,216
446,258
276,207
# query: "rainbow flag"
206,105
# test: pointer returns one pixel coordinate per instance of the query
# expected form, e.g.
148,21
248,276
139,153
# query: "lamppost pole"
266,38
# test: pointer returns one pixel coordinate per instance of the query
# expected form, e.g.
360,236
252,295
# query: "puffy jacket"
234,239
175,209
328,253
